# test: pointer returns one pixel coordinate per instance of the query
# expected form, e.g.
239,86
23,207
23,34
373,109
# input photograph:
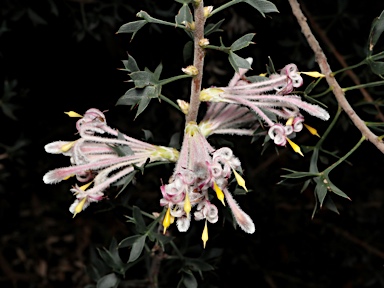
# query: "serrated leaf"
142,78
242,42
377,29
157,72
139,220
144,101
184,14
130,64
137,248
238,62
262,6
128,242
108,281
213,27
132,27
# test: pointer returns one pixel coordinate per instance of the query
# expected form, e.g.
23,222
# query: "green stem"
222,7
170,102
349,67
339,110
322,93
342,159
222,49
372,84
374,124
150,19
174,78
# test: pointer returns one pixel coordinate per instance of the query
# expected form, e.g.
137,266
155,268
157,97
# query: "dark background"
64,55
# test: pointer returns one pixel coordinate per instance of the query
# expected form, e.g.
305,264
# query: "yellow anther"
85,186
187,204
289,122
204,236
69,176
67,146
73,114
219,193
312,130
79,207
295,147
167,219
313,74
240,180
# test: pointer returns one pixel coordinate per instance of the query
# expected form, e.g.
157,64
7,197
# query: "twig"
198,62
340,59
326,70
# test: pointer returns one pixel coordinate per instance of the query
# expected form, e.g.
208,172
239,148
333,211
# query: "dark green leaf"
124,181
132,27
184,1
296,175
162,239
242,42
198,265
188,51
213,27
377,29
142,78
130,65
139,220
329,204
270,67
108,281
238,62
262,6
128,242
320,191
189,280
377,68
137,248
184,14
156,74
336,190
144,101
256,78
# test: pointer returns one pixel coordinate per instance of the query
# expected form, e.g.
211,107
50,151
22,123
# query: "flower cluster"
200,168
270,102
100,160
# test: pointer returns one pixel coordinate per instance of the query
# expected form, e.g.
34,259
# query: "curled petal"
277,134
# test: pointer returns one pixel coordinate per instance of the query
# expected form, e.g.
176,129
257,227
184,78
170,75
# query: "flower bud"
203,42
190,70
207,11
184,106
